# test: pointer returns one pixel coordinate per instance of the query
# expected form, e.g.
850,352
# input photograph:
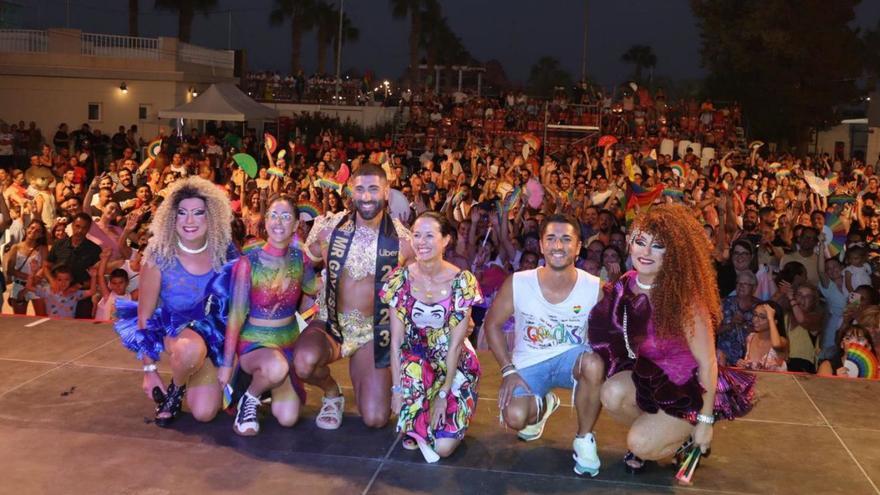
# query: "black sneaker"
246,422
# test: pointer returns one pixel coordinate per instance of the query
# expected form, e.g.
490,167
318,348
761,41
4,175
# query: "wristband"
705,419
397,389
149,368
508,367
509,372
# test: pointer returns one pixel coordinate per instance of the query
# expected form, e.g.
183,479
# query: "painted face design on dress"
428,315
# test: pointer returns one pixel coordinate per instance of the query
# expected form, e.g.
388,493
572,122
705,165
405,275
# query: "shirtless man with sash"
359,249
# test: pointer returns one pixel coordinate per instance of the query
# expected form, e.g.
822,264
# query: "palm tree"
132,17
302,19
642,56
441,44
349,33
326,21
401,9
186,12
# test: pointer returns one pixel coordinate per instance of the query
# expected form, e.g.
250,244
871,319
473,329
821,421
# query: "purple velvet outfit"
665,372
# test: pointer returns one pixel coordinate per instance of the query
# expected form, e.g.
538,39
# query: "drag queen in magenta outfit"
654,329
267,285
434,368
185,281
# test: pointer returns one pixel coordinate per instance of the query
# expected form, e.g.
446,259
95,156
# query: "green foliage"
789,64
302,15
186,10
642,56
545,75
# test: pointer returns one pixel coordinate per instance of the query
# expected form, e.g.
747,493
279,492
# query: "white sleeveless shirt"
544,330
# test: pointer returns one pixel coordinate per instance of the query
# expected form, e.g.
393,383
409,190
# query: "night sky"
516,32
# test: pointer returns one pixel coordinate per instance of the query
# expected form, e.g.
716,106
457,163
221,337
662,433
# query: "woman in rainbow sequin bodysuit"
268,285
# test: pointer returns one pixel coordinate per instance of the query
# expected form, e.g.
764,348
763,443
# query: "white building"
65,75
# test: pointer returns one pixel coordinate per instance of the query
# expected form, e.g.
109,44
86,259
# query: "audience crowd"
796,236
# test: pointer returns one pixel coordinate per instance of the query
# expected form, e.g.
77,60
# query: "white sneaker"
586,456
533,432
246,422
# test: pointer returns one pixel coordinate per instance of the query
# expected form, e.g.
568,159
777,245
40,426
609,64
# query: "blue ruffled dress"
199,302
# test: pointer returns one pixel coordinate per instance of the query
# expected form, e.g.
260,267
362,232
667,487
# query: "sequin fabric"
269,287
357,330
361,261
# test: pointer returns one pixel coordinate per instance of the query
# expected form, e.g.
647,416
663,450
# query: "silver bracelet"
148,368
397,389
705,419
509,372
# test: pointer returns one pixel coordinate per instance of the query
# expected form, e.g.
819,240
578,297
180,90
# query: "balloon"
247,163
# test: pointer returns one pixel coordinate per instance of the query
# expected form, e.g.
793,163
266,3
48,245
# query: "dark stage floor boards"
76,422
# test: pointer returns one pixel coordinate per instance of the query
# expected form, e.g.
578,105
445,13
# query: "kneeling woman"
654,329
181,308
267,285
433,366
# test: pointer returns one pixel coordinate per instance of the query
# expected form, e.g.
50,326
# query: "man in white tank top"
551,306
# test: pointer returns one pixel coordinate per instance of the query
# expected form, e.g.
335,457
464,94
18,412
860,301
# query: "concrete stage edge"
76,422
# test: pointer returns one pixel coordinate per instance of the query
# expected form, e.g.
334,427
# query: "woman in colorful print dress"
432,300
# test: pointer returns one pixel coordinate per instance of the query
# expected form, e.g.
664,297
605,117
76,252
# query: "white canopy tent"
222,101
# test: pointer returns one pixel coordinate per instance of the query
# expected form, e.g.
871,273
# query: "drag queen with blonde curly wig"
184,288
654,330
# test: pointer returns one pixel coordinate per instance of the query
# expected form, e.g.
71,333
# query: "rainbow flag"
277,172
638,197
840,199
673,193
512,198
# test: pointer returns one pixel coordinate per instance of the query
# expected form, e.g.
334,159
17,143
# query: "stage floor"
76,422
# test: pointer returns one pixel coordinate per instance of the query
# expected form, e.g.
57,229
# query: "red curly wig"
686,285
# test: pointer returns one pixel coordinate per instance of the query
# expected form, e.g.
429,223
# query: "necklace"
428,292
643,286
192,251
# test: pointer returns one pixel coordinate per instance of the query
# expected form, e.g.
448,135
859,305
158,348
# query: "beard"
749,226
379,207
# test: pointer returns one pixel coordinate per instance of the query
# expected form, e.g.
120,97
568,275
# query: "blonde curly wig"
162,248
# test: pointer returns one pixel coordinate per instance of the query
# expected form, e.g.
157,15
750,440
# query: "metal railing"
221,59
110,45
23,41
